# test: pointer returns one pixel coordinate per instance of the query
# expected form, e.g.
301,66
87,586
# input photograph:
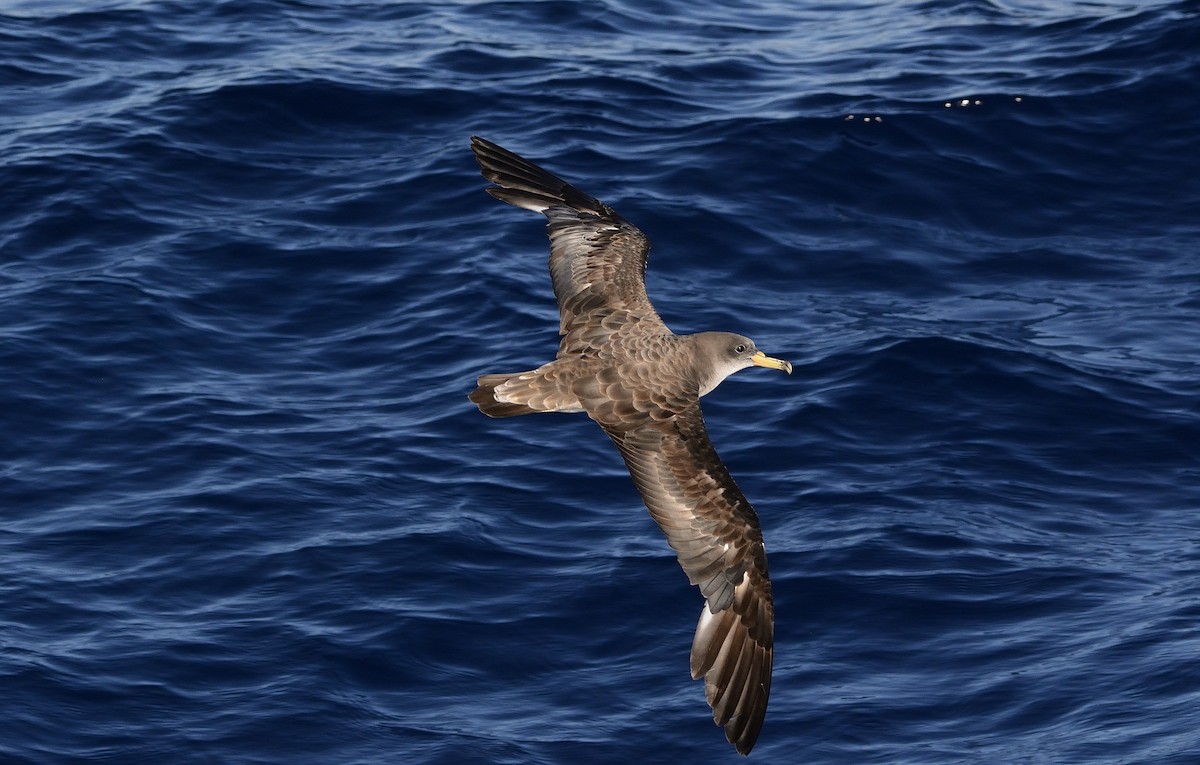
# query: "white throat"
719,373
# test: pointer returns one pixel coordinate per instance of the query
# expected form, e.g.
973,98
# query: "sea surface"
248,275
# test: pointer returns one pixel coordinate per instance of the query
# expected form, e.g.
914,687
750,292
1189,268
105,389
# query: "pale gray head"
720,354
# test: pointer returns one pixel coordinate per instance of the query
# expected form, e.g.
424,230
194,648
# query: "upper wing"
597,258
717,538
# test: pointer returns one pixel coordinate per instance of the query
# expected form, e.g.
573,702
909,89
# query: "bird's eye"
740,349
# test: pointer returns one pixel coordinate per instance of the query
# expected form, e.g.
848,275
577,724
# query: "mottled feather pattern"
642,384
586,276
545,389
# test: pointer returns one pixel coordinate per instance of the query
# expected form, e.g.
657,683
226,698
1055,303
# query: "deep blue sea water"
248,275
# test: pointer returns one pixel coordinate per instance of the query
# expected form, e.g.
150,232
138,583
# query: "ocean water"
248,275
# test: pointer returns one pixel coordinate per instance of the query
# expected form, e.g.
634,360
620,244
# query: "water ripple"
249,276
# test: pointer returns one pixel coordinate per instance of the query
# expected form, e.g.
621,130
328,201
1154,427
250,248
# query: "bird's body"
618,362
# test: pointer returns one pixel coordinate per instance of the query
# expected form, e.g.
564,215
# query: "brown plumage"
642,383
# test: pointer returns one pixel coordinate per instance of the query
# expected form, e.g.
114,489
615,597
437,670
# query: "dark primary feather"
618,362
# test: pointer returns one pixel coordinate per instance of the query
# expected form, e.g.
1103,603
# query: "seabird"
618,362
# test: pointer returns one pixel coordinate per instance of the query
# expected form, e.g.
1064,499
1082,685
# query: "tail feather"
484,397
510,395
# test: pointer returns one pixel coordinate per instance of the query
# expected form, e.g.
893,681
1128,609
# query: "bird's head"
720,354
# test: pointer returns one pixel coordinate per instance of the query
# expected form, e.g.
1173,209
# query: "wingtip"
736,667
523,183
